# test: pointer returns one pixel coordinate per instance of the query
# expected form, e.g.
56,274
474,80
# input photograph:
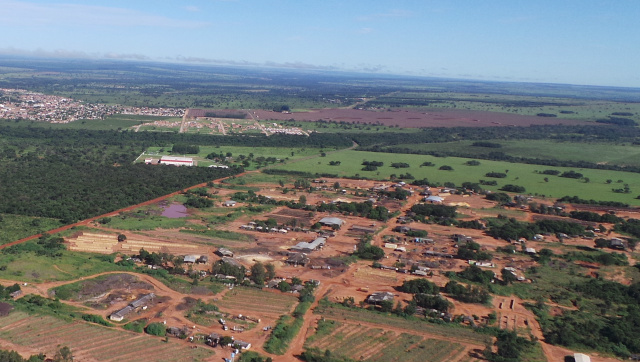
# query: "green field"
15,227
92,342
565,104
29,267
618,154
283,154
518,174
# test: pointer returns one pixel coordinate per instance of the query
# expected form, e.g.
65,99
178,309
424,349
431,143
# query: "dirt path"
116,212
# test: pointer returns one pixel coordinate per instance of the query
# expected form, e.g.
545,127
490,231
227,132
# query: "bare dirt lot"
414,118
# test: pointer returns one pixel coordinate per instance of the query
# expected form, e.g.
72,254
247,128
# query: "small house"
225,252
434,199
331,222
581,357
379,297
190,258
617,243
241,344
229,203
296,259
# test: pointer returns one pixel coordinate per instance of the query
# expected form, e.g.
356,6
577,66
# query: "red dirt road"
114,213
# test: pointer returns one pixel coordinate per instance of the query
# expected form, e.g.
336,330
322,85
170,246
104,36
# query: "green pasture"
131,221
518,174
567,105
596,152
284,154
29,267
15,227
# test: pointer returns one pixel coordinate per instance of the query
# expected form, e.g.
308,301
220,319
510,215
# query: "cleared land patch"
256,300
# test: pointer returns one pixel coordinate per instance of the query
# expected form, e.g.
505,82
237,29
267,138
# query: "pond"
174,210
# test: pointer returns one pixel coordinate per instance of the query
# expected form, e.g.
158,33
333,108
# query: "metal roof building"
176,161
314,245
331,221
581,357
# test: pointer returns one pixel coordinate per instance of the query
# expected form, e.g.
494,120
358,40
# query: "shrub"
156,329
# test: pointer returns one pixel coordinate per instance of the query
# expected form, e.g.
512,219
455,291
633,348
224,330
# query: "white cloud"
26,13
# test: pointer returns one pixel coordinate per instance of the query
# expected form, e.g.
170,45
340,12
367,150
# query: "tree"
63,355
226,340
156,329
386,306
284,286
508,277
258,273
601,243
270,271
122,237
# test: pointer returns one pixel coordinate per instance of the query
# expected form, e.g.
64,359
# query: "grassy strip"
286,330
15,227
220,234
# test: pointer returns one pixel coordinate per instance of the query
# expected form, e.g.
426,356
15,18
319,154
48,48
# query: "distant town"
20,104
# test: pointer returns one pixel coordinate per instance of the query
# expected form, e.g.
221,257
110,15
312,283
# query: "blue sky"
593,42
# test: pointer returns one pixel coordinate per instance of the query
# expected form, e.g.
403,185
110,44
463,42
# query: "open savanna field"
91,342
279,153
596,152
14,227
563,104
517,174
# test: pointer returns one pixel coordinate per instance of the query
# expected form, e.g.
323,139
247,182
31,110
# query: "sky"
585,42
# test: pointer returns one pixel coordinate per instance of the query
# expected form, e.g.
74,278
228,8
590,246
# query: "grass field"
257,301
281,153
15,227
618,154
29,267
582,109
92,342
518,174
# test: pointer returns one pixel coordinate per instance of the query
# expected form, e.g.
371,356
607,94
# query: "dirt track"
114,213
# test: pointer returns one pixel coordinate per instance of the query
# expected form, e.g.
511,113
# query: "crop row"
461,334
91,342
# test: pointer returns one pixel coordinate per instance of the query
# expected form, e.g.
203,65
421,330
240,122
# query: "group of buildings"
22,104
